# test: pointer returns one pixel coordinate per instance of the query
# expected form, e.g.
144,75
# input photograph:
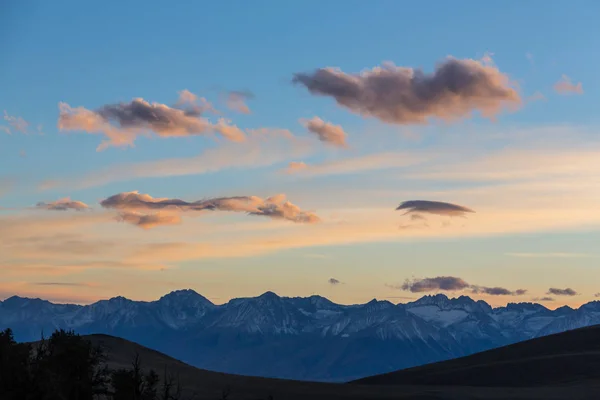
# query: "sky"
238,147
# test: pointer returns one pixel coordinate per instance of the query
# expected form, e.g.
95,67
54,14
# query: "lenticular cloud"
403,95
433,207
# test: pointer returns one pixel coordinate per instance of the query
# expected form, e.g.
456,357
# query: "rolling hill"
568,358
507,373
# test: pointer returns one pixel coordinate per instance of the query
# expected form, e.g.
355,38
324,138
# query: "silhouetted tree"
171,387
133,384
14,367
62,367
67,367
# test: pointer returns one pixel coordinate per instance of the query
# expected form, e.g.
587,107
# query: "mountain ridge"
309,338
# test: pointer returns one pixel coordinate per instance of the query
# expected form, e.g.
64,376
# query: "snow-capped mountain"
301,338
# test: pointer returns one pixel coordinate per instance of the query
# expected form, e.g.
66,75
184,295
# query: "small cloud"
543,299
445,283
433,207
417,217
529,58
148,221
497,291
5,129
17,123
186,97
196,105
404,95
565,86
63,205
60,284
597,295
405,227
294,166
326,131
333,281
562,292
537,96
22,154
487,59
236,101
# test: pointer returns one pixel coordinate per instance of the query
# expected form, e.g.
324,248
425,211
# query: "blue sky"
90,56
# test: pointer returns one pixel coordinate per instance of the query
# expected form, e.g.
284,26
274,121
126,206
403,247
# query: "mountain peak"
184,295
119,299
269,295
525,306
18,300
184,292
432,299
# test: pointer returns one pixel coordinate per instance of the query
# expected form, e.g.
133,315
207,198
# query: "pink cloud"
17,123
149,221
327,132
236,101
275,207
294,166
566,86
403,95
63,205
122,123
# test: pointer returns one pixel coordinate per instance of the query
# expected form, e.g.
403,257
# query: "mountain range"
308,338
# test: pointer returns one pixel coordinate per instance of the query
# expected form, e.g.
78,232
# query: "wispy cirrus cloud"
359,164
16,123
562,292
403,95
122,123
566,86
549,255
263,147
326,131
63,205
517,165
79,284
